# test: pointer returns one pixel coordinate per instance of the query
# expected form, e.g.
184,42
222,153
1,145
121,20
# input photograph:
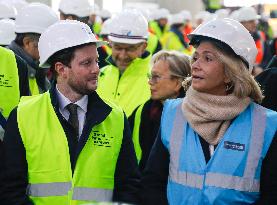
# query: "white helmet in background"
129,26
201,16
64,34
234,15
177,19
161,14
247,14
7,11
7,31
105,29
80,8
187,15
95,9
222,13
35,18
18,4
105,14
232,33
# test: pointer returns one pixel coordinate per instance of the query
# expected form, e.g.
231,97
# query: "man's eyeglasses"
156,78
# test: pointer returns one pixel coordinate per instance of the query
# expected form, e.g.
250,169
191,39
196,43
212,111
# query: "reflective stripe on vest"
245,183
92,194
49,189
9,82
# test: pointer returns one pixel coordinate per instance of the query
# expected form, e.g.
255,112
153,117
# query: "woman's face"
207,71
162,85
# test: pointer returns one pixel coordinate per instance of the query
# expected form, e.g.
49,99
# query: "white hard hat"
105,29
161,14
35,18
7,31
247,14
7,11
18,4
64,34
105,14
202,15
234,15
129,26
222,13
232,33
177,19
187,15
80,8
95,9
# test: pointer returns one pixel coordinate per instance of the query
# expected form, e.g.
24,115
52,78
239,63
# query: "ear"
178,85
144,46
61,69
227,80
26,42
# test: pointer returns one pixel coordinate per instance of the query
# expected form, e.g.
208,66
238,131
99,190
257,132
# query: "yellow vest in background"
170,41
9,82
129,90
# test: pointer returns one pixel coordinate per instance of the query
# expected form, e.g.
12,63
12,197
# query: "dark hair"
64,56
20,36
74,17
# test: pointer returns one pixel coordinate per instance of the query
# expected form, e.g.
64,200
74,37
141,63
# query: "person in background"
174,39
248,17
217,145
79,10
95,19
105,51
31,21
268,81
169,69
124,81
159,25
76,148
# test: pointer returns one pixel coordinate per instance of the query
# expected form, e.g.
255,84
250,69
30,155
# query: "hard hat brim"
126,40
98,43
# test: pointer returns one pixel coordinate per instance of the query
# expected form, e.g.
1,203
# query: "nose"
195,65
95,68
122,53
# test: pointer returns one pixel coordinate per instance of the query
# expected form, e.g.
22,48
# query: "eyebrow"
205,52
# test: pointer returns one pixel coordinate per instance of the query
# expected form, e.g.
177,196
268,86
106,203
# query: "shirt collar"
64,101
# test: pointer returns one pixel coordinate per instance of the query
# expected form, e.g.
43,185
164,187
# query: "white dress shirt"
81,110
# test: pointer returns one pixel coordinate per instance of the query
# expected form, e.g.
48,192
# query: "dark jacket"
33,69
268,81
148,129
155,175
23,76
15,164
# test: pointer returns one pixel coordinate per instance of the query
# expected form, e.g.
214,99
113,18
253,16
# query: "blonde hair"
179,63
242,82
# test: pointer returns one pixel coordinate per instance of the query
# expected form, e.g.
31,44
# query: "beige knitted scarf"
210,115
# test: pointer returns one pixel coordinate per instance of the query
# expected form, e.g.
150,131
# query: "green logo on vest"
101,139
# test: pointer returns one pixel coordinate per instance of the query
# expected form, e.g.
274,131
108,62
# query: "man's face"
30,46
124,54
82,75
